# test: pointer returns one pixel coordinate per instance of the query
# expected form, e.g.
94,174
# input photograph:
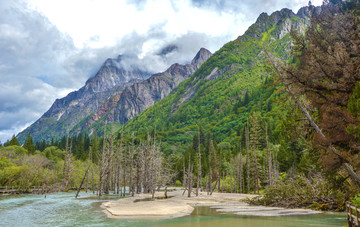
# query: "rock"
118,90
139,96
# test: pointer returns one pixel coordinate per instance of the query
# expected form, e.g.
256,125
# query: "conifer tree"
29,144
13,142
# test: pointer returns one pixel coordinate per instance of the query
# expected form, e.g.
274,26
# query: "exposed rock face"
140,96
283,20
112,73
67,112
136,98
116,93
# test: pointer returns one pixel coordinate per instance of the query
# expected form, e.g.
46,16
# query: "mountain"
200,94
137,97
229,86
115,84
65,113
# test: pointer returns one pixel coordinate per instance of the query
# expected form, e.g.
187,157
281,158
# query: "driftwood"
82,182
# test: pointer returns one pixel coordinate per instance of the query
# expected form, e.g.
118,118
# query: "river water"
62,209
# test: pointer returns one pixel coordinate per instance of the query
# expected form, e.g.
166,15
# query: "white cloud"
98,23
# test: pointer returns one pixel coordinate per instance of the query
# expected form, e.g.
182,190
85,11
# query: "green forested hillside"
220,96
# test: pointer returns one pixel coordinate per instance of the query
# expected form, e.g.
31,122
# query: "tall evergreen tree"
13,142
29,144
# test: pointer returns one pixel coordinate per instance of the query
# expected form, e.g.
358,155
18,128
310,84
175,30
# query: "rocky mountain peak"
113,72
305,12
281,15
282,20
264,19
201,56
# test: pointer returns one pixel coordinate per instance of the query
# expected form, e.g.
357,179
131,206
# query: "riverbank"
177,205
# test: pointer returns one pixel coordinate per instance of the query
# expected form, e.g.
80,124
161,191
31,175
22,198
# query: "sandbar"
177,205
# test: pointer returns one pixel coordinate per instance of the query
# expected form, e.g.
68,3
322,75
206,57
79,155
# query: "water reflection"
62,209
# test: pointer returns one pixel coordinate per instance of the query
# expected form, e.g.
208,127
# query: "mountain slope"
212,97
116,93
66,112
136,98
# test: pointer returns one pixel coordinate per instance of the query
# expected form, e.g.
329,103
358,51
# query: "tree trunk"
190,168
220,163
240,170
77,193
199,170
268,151
131,187
256,176
216,183
209,179
247,157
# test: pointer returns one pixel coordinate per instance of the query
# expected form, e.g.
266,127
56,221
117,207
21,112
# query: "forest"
288,130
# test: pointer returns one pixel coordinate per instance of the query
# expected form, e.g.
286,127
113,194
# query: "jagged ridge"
67,112
139,96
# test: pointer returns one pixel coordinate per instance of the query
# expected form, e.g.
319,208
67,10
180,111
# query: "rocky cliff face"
137,97
280,23
67,112
116,93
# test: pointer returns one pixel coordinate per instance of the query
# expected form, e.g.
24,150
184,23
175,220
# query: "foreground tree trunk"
67,168
82,182
199,170
240,170
268,152
247,156
189,177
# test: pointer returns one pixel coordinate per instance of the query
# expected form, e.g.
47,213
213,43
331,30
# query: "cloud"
30,51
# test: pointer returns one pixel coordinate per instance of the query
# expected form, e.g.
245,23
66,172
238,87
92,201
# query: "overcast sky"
51,47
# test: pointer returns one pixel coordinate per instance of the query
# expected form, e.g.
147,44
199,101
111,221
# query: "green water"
62,209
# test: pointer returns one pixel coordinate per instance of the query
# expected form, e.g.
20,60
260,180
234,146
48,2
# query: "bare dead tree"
184,174
219,168
209,178
256,175
124,164
131,160
82,182
240,169
102,166
268,152
67,168
109,164
247,156
139,167
189,178
199,181
146,179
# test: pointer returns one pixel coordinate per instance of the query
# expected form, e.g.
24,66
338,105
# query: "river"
62,209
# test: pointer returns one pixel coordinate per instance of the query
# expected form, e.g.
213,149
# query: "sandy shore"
179,205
